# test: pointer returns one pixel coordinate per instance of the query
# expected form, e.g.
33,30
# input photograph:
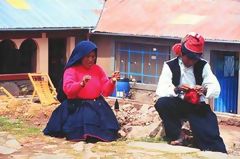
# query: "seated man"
184,84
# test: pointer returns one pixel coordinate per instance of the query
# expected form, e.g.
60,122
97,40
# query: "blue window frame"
142,62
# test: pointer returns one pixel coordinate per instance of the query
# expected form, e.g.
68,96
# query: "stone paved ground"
41,147
18,142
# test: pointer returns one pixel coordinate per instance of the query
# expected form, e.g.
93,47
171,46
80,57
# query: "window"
28,51
141,62
14,60
9,57
228,66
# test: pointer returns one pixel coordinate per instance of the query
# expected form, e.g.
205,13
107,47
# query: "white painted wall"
106,54
70,46
42,55
18,42
42,52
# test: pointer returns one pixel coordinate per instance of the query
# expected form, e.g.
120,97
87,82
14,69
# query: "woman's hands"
115,76
85,80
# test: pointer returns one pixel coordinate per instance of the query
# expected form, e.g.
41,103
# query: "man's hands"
115,76
184,88
85,79
200,90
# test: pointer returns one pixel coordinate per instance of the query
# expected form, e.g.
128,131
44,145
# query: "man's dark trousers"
203,122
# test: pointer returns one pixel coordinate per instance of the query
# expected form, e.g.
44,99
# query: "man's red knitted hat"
192,45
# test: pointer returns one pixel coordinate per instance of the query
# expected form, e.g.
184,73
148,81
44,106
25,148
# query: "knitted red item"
192,96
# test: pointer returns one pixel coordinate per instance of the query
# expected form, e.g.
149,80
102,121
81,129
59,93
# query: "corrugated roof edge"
163,37
47,28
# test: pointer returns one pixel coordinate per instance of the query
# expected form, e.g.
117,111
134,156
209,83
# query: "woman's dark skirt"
83,119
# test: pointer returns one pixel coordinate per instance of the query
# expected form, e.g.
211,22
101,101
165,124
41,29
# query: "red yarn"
192,96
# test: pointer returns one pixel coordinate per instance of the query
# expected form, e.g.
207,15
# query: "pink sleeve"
108,86
71,85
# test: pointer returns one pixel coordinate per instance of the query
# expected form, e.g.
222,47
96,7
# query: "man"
189,72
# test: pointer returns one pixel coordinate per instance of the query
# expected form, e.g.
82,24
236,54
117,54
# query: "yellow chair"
43,88
5,94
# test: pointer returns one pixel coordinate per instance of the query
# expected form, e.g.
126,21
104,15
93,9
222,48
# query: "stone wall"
19,87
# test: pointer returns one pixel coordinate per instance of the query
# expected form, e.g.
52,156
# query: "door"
57,59
225,67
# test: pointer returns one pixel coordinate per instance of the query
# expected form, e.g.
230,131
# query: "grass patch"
114,147
18,127
152,140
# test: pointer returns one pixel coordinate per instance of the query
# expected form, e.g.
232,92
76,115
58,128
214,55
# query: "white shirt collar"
182,66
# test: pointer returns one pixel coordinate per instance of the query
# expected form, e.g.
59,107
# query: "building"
38,36
135,37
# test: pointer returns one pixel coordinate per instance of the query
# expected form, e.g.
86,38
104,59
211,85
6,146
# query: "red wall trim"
11,77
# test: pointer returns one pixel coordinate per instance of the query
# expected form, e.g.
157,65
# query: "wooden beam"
20,34
12,77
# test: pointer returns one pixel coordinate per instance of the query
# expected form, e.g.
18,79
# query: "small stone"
78,146
212,155
13,143
122,133
6,150
50,146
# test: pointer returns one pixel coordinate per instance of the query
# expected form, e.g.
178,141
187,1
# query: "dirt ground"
38,115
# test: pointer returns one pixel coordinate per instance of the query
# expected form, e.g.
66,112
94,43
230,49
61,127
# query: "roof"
214,19
49,14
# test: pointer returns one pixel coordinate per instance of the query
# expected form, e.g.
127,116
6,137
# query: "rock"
155,131
50,146
122,133
7,150
51,156
236,144
33,110
12,88
144,153
228,119
3,133
25,86
9,136
213,155
13,143
19,156
151,109
144,108
142,131
162,147
78,146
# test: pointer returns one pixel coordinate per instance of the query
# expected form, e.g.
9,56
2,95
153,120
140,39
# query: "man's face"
188,62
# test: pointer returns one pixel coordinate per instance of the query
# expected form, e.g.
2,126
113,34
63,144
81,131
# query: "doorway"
57,59
225,67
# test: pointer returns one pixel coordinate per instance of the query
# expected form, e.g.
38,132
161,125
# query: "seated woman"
83,113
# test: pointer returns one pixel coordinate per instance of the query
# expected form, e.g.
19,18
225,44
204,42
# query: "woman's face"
89,60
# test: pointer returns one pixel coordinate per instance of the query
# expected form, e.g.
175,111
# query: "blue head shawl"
81,49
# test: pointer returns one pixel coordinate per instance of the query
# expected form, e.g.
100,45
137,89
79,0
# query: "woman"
83,113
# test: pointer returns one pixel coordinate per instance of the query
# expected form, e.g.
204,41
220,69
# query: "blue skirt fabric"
80,119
